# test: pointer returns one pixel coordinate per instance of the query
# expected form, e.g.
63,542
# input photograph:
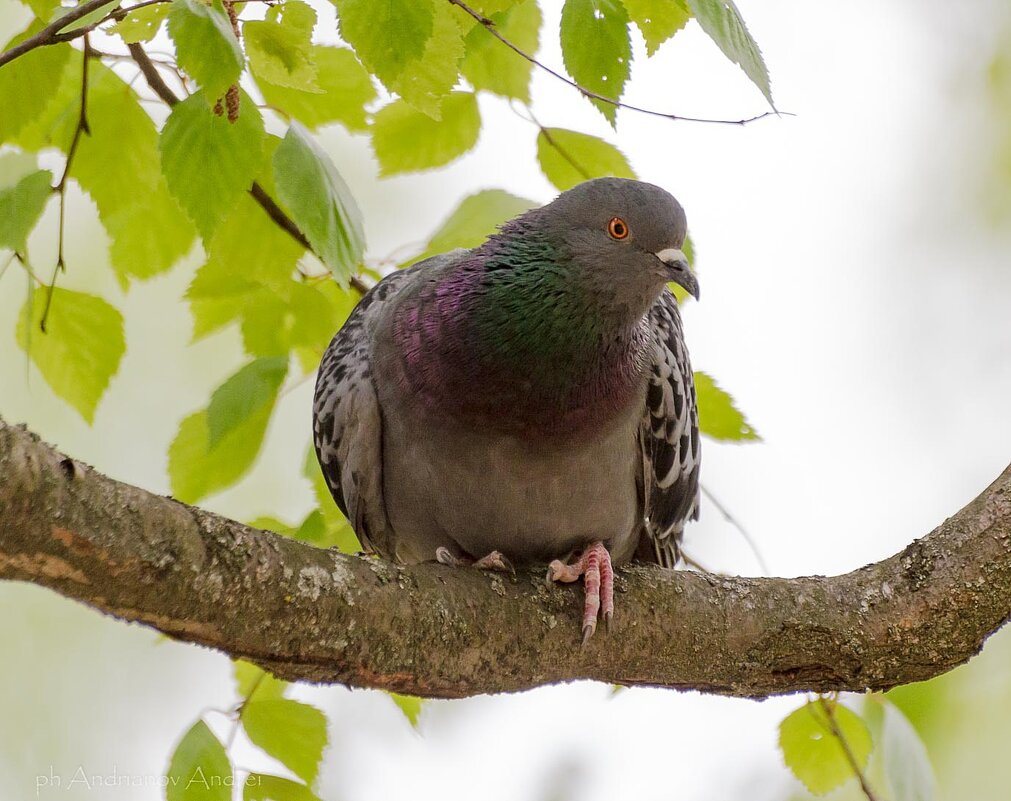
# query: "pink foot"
492,561
598,583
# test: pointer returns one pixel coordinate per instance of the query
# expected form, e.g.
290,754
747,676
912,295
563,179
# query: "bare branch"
319,615
489,25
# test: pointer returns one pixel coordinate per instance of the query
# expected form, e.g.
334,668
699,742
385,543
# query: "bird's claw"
495,560
594,565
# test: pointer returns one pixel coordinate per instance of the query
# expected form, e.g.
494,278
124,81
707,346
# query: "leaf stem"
829,709
82,127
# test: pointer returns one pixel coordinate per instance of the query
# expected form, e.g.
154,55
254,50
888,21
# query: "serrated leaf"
143,24
657,20
492,67
81,348
814,753
280,51
252,682
21,205
723,23
472,221
345,88
29,83
319,202
386,36
906,765
247,392
427,81
596,49
199,769
568,158
196,470
119,166
206,47
261,787
208,161
410,705
406,140
719,418
292,732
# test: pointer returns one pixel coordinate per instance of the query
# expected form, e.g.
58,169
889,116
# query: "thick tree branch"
306,613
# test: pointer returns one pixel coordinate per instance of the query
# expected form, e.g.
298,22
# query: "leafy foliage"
199,769
568,158
597,49
206,47
79,351
815,745
407,140
719,417
291,732
21,204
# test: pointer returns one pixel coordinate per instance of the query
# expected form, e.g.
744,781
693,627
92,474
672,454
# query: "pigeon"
527,401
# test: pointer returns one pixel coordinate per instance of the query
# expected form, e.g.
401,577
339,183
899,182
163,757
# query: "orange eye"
617,228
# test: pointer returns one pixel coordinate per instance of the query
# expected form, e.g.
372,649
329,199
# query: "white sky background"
853,301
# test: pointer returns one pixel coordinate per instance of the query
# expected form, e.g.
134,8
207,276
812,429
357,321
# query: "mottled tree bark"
306,613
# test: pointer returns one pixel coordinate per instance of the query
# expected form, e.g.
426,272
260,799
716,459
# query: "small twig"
10,260
489,25
740,528
61,188
829,710
51,33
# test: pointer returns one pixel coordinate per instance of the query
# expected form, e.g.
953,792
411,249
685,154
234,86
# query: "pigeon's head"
625,236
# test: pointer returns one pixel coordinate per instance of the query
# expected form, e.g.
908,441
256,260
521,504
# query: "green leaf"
43,9
197,470
291,732
252,682
280,52
21,205
119,166
252,388
386,36
199,769
206,47
907,766
81,348
719,418
261,787
596,49
29,83
492,67
406,140
319,202
723,23
427,81
814,754
208,161
345,88
143,24
657,20
410,705
476,217
568,158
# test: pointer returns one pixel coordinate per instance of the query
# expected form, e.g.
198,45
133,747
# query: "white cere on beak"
671,256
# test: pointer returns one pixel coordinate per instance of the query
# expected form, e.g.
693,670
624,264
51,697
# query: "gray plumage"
531,396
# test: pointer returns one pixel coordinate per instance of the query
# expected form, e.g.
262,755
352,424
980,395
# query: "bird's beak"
678,270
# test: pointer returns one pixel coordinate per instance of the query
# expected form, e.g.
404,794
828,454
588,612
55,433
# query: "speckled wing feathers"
669,436
347,421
